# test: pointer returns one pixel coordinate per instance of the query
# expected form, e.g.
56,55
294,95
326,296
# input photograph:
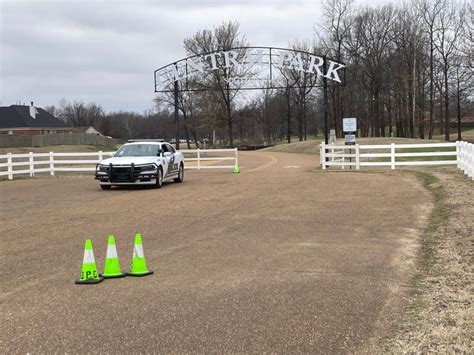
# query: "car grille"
125,174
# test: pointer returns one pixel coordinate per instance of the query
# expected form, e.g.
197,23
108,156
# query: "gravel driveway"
279,258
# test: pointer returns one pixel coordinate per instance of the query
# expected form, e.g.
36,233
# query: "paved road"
280,258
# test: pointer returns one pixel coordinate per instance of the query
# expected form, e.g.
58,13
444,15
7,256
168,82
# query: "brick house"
24,120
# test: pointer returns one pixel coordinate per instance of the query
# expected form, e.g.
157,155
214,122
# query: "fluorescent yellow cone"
236,168
89,274
138,267
112,264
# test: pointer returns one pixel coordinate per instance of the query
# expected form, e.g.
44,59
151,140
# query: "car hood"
129,160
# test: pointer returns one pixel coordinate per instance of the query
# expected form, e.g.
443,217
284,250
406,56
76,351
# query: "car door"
166,159
173,163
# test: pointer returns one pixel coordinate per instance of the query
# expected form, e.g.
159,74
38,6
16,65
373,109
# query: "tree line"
409,73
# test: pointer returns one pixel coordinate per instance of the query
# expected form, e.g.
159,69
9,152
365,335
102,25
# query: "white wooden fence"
203,156
33,163
386,155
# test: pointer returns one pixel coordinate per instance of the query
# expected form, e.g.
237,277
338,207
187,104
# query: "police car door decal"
172,164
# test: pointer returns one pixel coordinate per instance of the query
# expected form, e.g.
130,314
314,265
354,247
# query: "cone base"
140,274
113,276
90,281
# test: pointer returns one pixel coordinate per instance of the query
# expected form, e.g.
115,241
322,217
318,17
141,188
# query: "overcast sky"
105,51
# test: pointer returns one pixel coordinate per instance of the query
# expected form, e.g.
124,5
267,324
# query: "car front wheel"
159,178
180,177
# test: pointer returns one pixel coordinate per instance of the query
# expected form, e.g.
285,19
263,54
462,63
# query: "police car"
141,163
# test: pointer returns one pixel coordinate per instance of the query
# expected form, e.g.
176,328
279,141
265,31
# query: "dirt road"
279,258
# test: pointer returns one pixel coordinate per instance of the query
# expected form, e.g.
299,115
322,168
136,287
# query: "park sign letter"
249,64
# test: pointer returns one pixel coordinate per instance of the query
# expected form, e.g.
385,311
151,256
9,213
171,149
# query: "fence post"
392,155
101,156
458,155
199,158
322,151
10,166
32,164
470,159
465,157
51,163
357,157
343,167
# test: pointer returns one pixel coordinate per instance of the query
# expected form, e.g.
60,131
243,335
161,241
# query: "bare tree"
450,25
337,22
223,38
429,11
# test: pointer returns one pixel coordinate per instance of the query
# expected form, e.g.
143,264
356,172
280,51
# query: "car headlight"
103,168
148,167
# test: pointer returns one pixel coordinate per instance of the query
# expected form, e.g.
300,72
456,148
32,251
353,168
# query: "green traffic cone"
89,274
236,168
138,267
112,264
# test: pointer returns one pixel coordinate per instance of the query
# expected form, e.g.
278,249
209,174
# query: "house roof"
85,129
16,116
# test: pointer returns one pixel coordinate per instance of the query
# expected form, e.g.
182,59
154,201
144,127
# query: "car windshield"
137,150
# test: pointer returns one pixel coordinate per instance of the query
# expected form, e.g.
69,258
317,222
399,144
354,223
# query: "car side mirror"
160,151
167,154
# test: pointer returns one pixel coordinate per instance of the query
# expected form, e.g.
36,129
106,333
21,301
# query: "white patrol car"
141,163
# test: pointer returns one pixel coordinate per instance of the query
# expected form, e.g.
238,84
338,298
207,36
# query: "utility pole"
176,113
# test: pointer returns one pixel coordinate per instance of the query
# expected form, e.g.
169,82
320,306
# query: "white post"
357,157
236,157
465,157
343,159
32,164
458,154
392,155
470,157
199,158
10,166
51,163
323,155
101,156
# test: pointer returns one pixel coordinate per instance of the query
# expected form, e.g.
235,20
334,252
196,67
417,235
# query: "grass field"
312,146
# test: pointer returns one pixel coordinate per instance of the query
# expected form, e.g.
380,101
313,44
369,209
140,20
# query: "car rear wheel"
159,178
180,177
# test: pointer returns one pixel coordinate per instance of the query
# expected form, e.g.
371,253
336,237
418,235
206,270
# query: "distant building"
24,120
88,130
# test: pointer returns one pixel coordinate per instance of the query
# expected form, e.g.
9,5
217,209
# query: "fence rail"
360,155
33,163
201,155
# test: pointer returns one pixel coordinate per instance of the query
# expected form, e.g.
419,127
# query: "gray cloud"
106,51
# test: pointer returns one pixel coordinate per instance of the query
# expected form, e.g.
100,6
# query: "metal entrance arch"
249,68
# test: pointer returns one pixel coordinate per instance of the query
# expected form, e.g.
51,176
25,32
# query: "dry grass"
466,135
439,315
312,146
305,147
